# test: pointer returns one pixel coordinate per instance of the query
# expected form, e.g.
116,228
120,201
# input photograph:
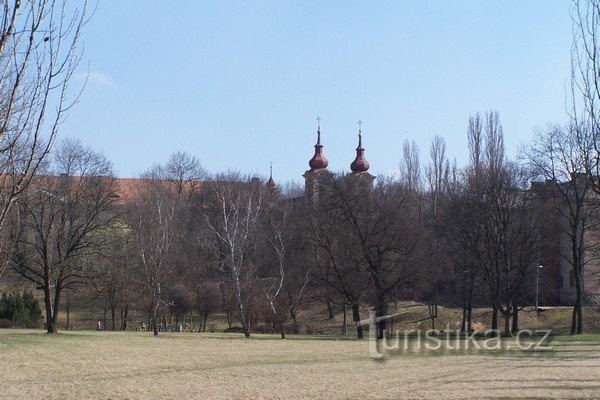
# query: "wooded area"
181,240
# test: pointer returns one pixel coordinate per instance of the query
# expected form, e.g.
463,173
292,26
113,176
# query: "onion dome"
318,162
360,163
271,183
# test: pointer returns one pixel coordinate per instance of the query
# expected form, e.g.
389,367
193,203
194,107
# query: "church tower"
271,185
318,169
360,166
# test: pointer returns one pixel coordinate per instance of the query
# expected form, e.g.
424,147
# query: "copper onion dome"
360,163
318,162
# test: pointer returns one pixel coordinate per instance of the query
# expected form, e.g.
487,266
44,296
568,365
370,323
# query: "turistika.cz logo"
414,340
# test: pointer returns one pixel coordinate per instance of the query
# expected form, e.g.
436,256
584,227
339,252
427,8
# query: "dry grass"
137,366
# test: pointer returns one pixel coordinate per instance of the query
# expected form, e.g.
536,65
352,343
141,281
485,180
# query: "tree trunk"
467,321
105,316
515,318
293,315
433,308
470,306
506,314
470,318
154,316
329,309
494,317
229,317
57,291
381,309
356,318
242,311
14,313
124,318
68,313
281,329
577,317
345,322
113,312
50,328
577,327
574,320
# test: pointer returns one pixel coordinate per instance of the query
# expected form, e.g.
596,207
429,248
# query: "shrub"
21,308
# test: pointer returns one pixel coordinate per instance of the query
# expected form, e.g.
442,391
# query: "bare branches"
38,56
232,216
410,167
585,85
156,226
561,157
61,222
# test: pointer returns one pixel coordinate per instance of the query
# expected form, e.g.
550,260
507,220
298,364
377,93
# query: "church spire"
360,163
318,162
271,183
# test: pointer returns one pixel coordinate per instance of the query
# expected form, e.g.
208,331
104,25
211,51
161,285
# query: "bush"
22,308
5,323
268,329
234,329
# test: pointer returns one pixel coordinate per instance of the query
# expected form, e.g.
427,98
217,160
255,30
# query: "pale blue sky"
239,84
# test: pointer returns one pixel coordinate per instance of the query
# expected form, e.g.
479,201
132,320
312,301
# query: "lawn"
213,366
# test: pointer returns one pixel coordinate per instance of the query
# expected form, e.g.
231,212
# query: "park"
133,365
299,200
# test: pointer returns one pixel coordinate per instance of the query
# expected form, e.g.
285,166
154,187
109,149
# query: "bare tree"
39,54
278,236
492,225
114,273
61,223
475,141
181,301
437,172
585,84
460,231
410,167
556,157
369,235
509,246
184,172
156,228
329,246
410,175
494,141
232,217
206,300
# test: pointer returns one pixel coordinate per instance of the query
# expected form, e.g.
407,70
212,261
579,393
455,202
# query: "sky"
239,84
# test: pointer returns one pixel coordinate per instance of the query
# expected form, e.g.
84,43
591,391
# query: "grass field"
102,365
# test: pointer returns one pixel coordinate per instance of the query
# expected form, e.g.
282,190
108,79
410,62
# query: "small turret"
318,169
318,162
360,163
271,185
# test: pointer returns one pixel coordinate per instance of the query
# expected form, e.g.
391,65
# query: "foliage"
21,309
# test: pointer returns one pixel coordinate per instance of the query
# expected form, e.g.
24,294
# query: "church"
554,281
318,167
